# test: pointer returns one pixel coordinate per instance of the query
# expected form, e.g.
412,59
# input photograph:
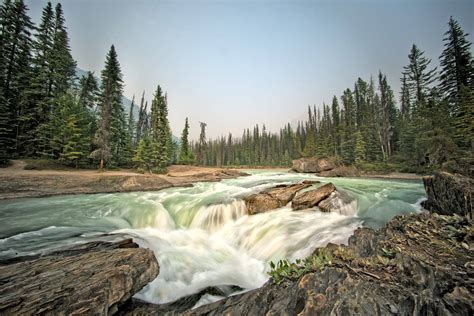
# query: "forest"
48,112
430,123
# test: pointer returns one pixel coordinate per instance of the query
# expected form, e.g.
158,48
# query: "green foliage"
144,155
284,270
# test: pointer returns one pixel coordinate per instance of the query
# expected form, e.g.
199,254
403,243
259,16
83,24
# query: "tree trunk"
101,166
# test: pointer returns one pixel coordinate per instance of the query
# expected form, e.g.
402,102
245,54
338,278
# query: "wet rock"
312,165
138,307
339,202
312,198
449,194
409,267
90,279
273,198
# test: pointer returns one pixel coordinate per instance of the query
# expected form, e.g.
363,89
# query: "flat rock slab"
90,279
312,198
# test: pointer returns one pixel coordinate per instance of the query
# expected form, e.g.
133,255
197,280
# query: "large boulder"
90,279
273,198
449,194
312,165
312,198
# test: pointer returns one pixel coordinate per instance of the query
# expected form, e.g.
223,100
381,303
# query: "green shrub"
284,269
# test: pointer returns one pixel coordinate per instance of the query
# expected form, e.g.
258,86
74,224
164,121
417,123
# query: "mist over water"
201,235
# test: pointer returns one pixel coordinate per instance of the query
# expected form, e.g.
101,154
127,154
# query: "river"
201,235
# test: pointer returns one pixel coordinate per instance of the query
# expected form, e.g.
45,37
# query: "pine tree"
73,130
185,155
404,97
418,75
359,148
144,154
456,62
15,56
160,130
88,89
111,121
62,63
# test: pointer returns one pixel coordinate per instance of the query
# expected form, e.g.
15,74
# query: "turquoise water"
201,235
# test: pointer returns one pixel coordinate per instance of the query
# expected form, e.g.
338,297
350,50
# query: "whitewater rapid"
201,235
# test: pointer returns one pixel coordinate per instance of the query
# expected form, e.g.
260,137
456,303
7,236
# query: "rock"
138,307
312,198
396,269
94,278
340,202
341,171
449,194
312,165
273,198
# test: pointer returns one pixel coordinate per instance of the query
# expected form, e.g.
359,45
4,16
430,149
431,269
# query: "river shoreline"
16,182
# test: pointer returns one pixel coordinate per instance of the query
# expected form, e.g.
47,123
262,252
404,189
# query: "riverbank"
16,182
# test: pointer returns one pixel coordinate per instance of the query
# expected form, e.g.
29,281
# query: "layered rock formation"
94,278
449,194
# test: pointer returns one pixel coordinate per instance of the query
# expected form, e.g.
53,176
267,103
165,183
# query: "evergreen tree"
185,155
418,75
160,130
405,97
15,56
62,63
456,62
144,154
112,121
88,89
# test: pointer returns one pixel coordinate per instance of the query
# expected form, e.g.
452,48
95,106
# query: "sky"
234,64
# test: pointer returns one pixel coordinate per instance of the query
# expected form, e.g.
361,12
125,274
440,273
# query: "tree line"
46,111
432,123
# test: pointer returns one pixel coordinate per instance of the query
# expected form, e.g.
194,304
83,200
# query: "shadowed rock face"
449,194
312,165
416,265
273,198
312,198
91,279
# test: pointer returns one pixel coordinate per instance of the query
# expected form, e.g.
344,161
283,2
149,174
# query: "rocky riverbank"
16,182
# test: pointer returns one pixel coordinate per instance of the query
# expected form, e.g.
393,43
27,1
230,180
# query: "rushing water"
201,235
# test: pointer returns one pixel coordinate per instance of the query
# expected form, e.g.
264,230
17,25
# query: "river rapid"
201,235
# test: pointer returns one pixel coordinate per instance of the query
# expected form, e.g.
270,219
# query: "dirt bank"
16,182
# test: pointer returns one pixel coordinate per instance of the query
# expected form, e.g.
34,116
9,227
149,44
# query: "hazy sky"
234,64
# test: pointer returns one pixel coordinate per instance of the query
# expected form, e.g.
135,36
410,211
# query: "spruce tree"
15,56
160,130
62,63
88,90
418,75
111,118
456,62
184,151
